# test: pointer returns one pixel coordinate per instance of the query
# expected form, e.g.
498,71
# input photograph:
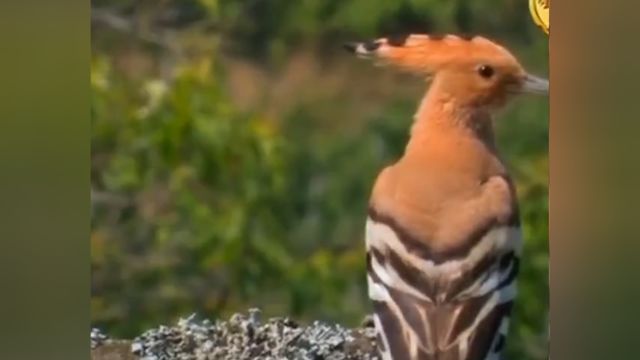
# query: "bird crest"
471,69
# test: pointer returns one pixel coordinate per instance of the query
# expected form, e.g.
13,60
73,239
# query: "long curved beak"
535,85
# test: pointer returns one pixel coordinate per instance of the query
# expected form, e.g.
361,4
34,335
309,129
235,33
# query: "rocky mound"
242,337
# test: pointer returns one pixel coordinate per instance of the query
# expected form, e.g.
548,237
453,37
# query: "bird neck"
441,116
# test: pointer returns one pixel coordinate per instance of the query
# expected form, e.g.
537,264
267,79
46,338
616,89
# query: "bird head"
471,71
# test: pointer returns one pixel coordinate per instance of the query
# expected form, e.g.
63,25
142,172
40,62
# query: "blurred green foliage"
234,147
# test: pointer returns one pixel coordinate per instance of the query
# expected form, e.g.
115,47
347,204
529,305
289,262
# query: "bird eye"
486,71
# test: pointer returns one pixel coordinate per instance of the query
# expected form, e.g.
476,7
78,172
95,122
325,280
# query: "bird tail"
410,328
421,316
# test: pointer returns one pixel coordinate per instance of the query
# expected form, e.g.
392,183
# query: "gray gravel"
245,336
98,338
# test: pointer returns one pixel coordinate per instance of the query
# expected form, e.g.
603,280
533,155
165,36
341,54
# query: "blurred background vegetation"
234,146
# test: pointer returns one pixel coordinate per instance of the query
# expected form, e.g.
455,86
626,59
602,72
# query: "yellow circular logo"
540,12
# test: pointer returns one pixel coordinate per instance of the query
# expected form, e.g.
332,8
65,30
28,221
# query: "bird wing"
441,306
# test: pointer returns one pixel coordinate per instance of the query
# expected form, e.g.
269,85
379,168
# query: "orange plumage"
443,240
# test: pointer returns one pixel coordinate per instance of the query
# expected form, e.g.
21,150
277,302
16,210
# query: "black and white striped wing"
452,307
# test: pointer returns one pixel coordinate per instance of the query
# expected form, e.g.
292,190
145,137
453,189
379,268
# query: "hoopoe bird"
443,230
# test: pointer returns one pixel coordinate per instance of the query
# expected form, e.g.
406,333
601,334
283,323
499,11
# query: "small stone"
137,348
